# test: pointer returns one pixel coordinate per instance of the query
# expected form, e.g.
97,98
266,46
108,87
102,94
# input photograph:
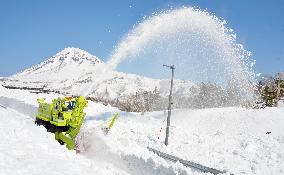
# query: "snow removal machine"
63,117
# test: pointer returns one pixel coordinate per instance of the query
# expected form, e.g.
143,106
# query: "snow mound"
32,145
238,140
33,151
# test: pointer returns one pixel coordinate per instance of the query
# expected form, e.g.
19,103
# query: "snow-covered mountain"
77,72
70,62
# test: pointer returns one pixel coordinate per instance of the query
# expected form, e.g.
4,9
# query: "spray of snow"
198,43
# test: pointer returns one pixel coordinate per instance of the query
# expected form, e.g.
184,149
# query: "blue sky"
32,30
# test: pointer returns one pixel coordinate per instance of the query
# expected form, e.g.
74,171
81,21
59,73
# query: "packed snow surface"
237,140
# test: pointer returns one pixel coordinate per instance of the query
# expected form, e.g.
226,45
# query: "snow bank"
238,140
28,149
233,139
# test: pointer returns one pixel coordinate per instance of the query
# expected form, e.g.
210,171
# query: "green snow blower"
63,117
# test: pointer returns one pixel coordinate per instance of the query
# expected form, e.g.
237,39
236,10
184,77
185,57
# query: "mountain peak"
71,58
75,54
72,50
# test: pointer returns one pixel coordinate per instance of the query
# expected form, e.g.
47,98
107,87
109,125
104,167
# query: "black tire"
38,121
61,142
51,129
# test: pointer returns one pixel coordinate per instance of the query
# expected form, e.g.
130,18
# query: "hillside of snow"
29,150
74,71
237,140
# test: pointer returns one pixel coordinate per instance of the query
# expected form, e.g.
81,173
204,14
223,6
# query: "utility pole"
172,67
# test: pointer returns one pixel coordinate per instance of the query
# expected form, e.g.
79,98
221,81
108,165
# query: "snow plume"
199,44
